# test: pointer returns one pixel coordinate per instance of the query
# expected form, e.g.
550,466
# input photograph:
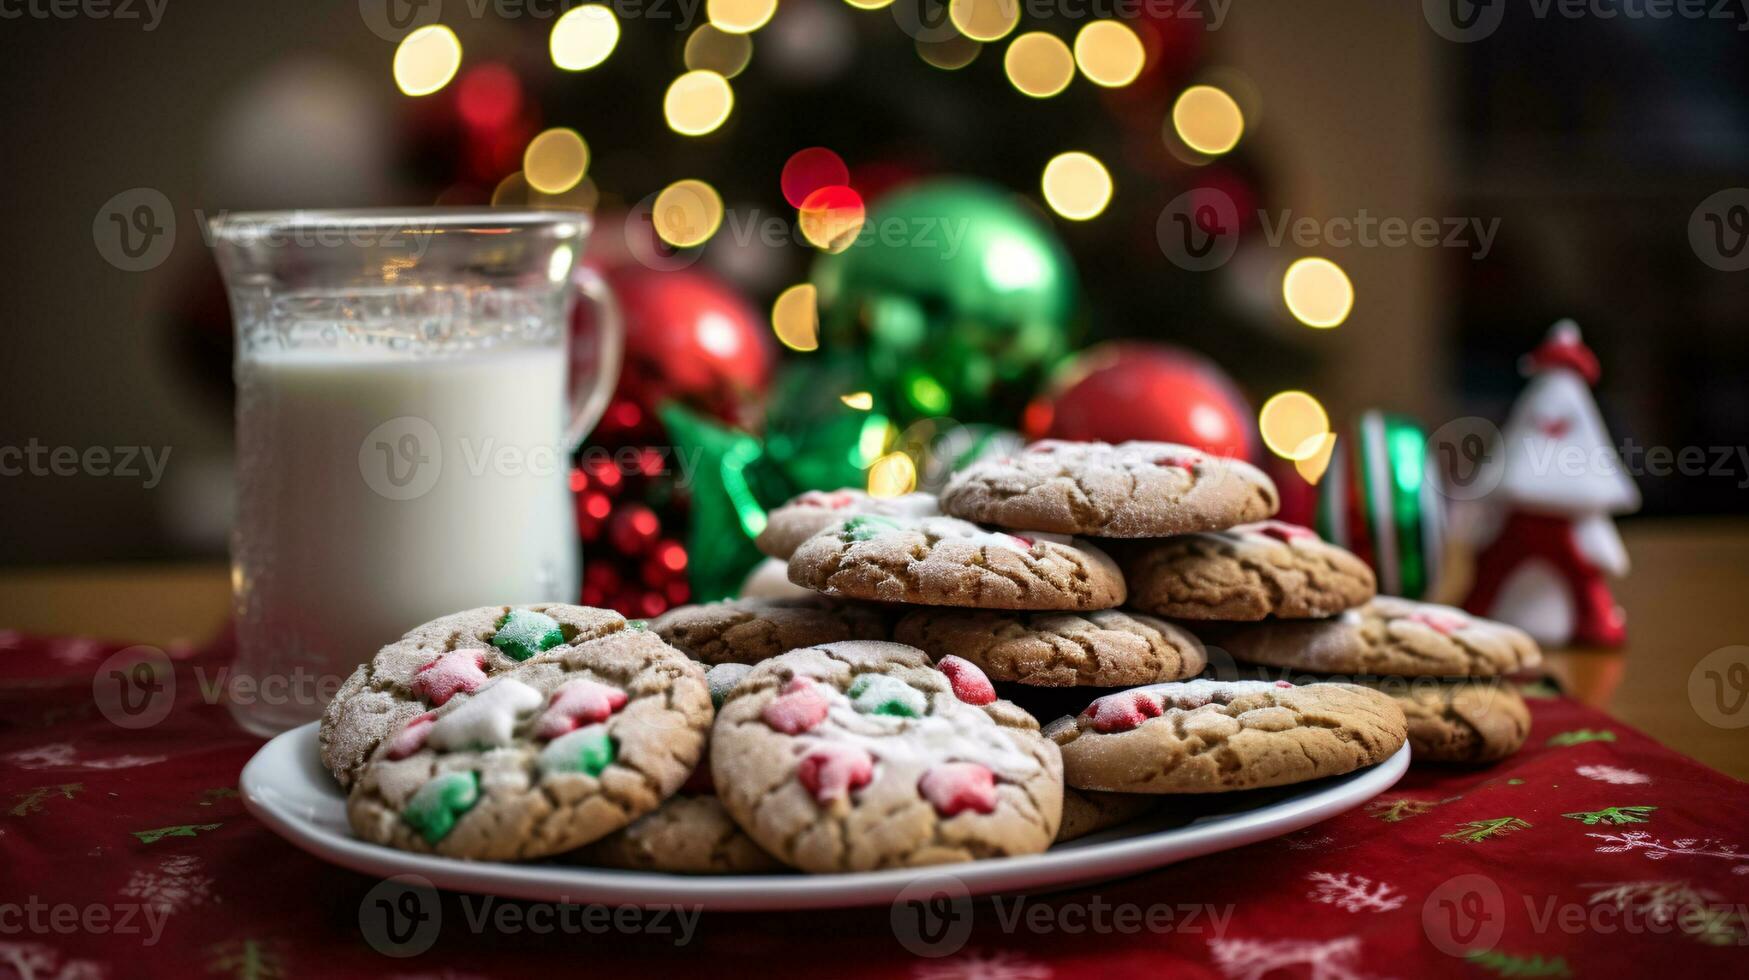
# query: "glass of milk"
409,391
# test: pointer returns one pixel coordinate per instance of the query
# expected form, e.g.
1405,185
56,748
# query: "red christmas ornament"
1137,390
691,338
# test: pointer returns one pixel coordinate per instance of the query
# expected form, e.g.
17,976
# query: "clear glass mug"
409,392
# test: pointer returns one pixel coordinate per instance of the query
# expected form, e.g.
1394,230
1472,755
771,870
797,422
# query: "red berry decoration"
632,529
969,682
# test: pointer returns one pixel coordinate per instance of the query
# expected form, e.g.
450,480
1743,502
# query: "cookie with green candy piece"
524,632
435,806
445,660
862,755
807,514
561,750
690,833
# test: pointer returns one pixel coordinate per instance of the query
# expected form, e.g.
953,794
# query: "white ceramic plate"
286,787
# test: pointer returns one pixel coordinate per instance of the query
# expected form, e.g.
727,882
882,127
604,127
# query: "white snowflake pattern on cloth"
1353,893
1306,840
1656,850
1614,775
176,886
62,755
1253,959
34,961
978,965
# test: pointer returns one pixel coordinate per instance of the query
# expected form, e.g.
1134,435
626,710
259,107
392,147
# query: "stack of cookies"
1275,595
764,734
1017,581
1446,669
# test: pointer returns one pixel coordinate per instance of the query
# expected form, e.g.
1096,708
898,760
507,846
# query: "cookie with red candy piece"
1270,569
445,659
1130,490
1206,736
862,755
547,755
1104,648
807,514
1387,636
941,561
690,833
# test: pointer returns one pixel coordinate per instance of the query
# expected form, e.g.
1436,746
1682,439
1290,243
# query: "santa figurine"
1549,547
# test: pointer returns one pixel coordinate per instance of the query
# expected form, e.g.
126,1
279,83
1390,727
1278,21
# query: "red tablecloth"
1594,852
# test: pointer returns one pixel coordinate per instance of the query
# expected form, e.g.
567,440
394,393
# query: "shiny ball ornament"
690,338
956,298
1125,390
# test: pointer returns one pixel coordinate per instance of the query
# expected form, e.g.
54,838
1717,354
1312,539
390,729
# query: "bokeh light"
1076,185
795,317
1312,468
1039,64
740,16
1109,53
984,20
555,161
892,475
697,103
687,213
869,4
583,37
806,171
1317,292
1208,120
1292,424
712,49
489,96
862,401
950,53
831,217
427,59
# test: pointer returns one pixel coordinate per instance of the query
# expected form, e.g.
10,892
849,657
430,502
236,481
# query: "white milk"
379,491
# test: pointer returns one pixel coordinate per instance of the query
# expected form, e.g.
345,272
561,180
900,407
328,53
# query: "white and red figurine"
1549,547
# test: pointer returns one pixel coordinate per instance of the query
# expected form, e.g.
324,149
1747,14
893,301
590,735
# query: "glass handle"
591,390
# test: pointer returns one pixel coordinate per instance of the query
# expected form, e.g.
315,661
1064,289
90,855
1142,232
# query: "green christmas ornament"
817,440
732,485
957,298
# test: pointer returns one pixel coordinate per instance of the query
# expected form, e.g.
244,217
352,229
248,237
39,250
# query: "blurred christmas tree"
759,145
